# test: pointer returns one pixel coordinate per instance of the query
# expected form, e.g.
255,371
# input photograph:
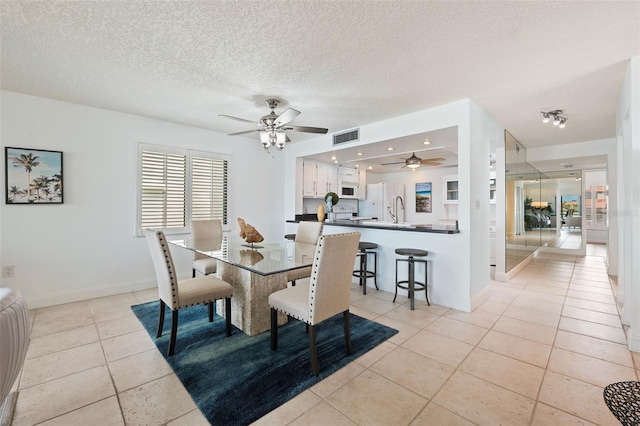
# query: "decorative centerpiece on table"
249,234
331,199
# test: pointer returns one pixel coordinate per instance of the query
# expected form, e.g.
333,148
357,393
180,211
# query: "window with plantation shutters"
177,186
163,189
209,189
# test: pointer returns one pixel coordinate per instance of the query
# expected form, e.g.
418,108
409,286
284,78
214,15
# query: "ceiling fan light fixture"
265,140
280,140
413,161
556,120
563,123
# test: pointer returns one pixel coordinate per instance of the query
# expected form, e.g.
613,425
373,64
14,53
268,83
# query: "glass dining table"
255,271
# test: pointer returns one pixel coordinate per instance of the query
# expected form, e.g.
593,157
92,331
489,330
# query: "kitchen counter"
438,229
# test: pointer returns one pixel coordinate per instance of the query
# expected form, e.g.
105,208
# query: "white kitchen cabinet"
318,179
309,173
450,190
332,178
362,184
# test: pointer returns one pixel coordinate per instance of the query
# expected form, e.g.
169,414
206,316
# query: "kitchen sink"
387,223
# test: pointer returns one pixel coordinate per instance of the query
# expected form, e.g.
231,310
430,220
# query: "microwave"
348,189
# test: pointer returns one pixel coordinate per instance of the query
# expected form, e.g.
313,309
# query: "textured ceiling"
342,63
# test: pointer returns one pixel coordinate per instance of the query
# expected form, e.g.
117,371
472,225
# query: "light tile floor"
539,351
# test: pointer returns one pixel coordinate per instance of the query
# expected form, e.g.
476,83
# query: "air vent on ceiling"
351,135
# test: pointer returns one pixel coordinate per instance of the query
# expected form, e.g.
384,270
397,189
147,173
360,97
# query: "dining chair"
184,293
206,235
327,294
307,233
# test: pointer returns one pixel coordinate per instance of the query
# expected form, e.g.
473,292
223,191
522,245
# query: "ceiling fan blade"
307,129
238,119
244,132
432,160
388,164
286,117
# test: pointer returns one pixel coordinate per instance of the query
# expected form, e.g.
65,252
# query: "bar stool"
411,284
363,273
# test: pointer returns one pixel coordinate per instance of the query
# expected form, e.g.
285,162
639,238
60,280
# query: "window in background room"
178,185
595,206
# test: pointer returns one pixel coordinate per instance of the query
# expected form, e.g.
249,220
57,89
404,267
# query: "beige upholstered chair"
308,233
14,342
327,294
206,235
181,294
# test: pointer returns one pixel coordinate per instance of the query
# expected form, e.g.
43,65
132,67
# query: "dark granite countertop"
438,229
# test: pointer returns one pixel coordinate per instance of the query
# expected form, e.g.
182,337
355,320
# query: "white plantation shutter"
163,190
209,189
178,185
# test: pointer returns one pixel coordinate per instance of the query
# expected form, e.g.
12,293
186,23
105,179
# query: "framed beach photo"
423,197
32,176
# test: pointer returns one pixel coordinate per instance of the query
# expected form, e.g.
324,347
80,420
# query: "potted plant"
331,199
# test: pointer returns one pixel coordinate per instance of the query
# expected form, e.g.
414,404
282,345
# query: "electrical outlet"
8,271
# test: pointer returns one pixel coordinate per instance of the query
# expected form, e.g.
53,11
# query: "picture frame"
33,176
423,197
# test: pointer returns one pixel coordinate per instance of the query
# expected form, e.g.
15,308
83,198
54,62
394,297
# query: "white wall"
627,210
86,247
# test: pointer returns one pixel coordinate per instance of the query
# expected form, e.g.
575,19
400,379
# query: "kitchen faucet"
395,213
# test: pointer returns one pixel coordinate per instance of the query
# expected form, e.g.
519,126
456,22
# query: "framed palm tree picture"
32,176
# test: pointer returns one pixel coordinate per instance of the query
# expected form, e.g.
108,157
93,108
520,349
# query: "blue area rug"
236,380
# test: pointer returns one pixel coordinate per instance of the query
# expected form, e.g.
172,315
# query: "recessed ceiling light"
390,148
335,161
370,168
333,157
359,153
357,165
427,142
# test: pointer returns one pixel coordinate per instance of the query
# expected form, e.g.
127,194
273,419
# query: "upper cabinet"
450,190
362,184
318,179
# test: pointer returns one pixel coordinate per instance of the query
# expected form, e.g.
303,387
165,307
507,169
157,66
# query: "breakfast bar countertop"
372,224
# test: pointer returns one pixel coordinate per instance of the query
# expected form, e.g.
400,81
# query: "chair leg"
160,319
211,311
193,274
396,285
227,314
293,283
274,329
313,349
347,331
375,269
174,331
363,272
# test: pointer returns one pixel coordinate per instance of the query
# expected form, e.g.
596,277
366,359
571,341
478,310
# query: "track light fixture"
558,120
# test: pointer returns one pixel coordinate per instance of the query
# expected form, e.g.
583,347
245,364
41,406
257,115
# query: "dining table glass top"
265,258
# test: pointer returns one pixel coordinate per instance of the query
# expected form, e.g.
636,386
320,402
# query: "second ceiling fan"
272,127
415,161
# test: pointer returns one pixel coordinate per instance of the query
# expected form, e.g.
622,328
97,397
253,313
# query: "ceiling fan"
272,126
415,161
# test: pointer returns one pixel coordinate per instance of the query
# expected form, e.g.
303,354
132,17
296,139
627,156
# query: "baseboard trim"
479,298
633,341
62,297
